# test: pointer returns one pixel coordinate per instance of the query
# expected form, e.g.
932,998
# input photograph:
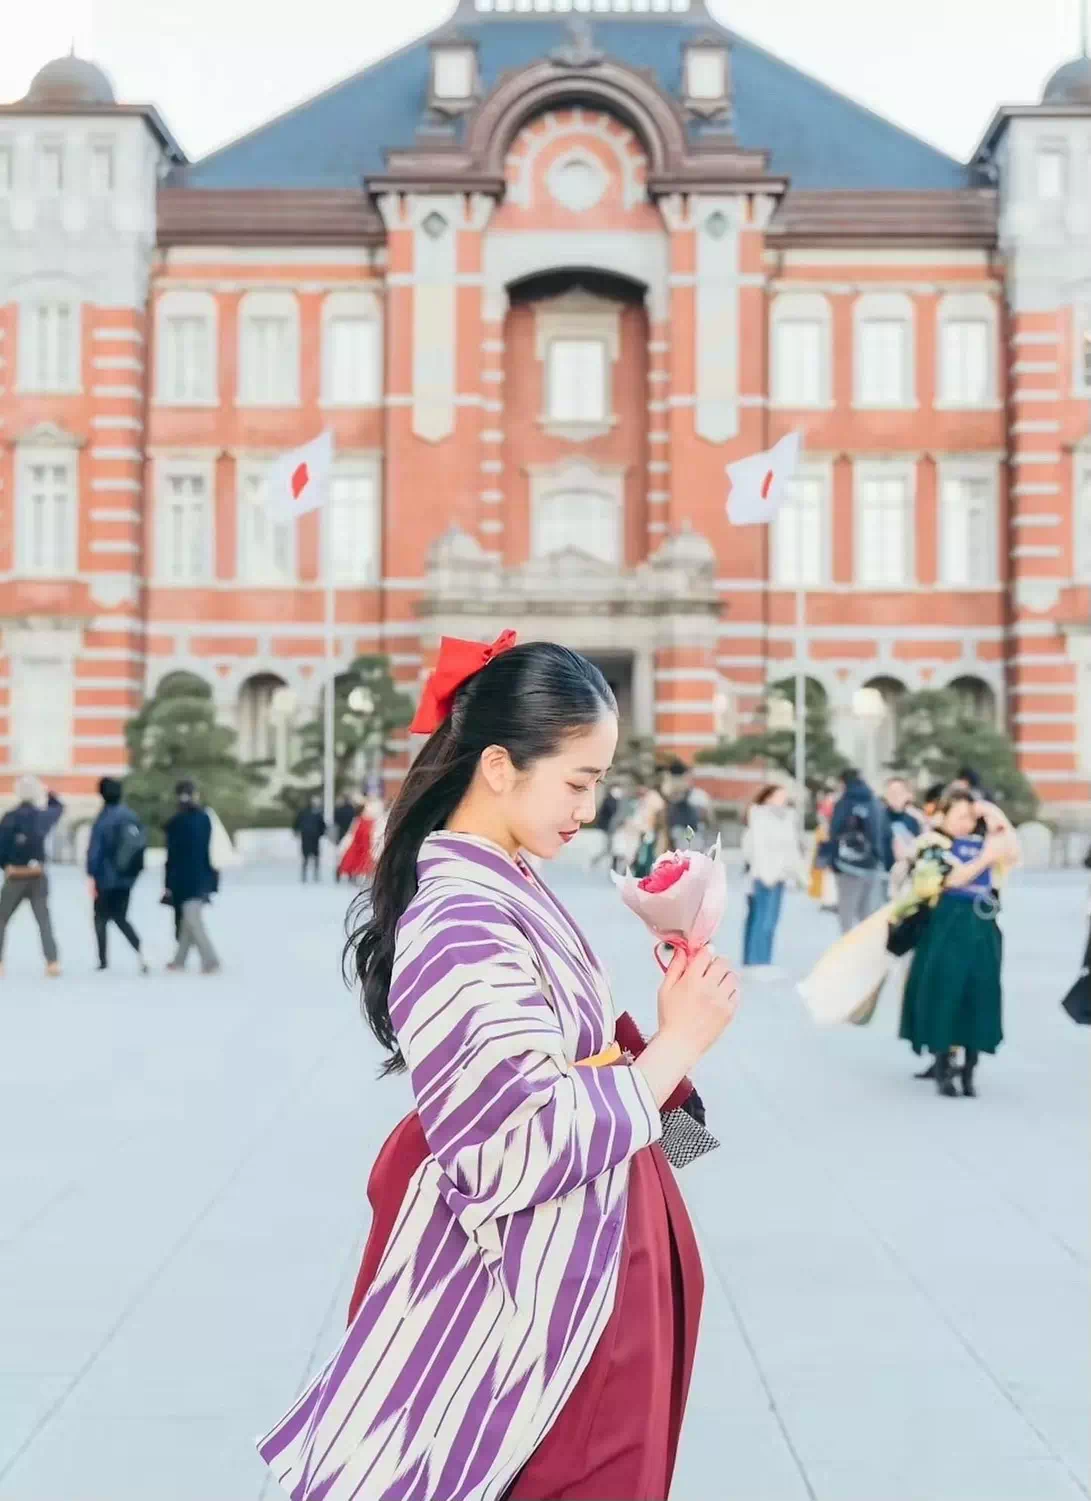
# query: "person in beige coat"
773,857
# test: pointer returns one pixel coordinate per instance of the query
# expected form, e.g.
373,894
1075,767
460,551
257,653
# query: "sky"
218,68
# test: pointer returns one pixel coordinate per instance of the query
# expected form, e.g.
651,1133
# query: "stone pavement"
896,1304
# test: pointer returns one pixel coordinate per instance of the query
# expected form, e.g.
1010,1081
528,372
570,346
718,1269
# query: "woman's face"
550,801
961,820
777,798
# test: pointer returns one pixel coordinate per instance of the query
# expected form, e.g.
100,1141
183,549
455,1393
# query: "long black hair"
528,700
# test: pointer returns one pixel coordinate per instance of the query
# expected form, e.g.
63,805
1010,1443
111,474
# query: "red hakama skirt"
356,861
616,1438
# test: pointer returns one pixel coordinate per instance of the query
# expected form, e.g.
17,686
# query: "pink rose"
666,870
681,900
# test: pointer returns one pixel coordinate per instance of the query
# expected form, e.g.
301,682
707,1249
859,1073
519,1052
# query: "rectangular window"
1082,524
577,521
884,541
967,533
964,362
797,362
268,362
7,169
705,73
799,543
266,544
46,515
453,72
576,380
883,356
41,714
353,517
50,361
51,169
102,170
187,360
352,362
1049,173
1083,351
185,530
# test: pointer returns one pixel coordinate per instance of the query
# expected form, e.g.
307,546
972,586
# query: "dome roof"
70,80
1070,84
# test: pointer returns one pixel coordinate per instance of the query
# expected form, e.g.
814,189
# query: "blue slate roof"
816,136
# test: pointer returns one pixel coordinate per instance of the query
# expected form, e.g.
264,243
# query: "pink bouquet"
681,900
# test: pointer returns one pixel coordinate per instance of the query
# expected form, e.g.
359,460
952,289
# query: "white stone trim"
122,335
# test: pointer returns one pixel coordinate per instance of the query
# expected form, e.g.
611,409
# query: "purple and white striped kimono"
499,1276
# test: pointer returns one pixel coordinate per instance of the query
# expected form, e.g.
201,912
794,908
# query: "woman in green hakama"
952,992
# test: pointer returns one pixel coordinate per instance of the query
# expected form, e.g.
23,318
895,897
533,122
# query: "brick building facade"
544,275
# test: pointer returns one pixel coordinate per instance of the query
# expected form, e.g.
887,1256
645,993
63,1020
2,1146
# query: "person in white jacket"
773,857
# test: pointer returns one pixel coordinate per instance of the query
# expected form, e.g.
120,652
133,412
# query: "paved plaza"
897,1284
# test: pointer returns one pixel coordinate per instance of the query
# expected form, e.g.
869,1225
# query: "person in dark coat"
115,859
311,827
190,877
855,850
343,816
23,833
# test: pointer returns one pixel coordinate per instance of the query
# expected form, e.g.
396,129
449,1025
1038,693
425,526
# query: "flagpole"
801,684
329,718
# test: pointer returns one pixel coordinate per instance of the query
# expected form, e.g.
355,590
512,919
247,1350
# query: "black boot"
927,1073
968,1066
944,1082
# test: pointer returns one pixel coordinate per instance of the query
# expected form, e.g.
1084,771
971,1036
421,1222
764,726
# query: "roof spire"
1085,10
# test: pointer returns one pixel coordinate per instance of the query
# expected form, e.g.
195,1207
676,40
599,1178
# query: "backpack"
856,844
24,840
129,844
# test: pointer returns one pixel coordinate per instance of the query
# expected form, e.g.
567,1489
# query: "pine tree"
176,735
356,734
822,759
939,734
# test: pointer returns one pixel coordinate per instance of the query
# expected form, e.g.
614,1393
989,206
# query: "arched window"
875,710
269,350
186,343
966,350
884,363
799,353
976,697
263,728
352,350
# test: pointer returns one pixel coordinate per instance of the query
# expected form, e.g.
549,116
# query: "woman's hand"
698,998
697,1001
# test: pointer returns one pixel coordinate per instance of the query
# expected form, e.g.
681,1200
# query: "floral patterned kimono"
513,1247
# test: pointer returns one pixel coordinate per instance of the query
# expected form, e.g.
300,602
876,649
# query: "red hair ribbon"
457,662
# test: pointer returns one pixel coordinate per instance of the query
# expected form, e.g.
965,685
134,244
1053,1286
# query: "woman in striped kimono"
526,1314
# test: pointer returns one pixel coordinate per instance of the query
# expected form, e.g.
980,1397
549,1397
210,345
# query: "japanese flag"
299,481
758,483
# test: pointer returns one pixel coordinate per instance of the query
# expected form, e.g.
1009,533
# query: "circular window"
577,183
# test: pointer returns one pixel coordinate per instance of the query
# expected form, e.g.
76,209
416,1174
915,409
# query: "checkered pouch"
683,1139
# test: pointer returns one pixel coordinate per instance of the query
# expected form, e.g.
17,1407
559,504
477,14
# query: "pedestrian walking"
687,814
115,859
343,815
903,824
23,833
648,834
190,878
770,847
857,836
534,1324
952,997
310,826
